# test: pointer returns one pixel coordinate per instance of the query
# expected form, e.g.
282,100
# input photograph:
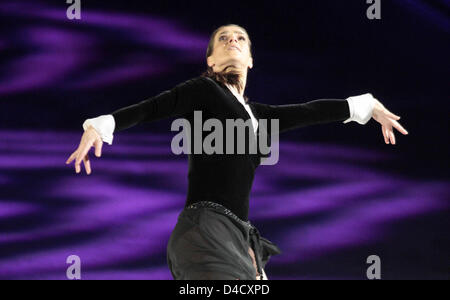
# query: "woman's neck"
242,80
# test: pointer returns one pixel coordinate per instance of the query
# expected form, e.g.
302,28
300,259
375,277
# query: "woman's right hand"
90,138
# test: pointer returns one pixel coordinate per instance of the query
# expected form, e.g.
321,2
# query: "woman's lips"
234,47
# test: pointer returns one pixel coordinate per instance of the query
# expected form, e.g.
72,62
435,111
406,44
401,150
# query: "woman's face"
231,49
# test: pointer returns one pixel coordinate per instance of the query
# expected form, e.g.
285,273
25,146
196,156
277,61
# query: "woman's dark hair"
230,78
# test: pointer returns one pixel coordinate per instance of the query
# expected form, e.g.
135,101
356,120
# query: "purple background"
338,193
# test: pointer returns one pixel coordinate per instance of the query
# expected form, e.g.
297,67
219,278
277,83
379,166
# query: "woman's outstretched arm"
358,108
293,116
170,103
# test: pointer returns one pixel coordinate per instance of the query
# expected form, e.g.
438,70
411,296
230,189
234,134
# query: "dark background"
55,73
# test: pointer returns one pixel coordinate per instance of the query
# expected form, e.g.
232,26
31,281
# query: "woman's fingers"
71,157
391,115
78,161
81,154
77,168
84,149
389,137
387,120
98,147
80,158
383,130
87,164
386,132
399,127
392,136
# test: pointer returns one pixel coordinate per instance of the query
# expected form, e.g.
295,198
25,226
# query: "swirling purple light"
119,219
63,50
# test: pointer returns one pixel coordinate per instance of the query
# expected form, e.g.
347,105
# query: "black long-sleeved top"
224,178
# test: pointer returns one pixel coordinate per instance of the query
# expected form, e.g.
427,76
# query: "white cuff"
104,125
361,108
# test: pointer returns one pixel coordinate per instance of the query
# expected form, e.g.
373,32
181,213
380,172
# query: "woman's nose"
233,38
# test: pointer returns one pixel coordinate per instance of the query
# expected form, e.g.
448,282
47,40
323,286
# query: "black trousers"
209,242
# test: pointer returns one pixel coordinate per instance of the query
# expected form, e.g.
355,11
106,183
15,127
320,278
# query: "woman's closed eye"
223,36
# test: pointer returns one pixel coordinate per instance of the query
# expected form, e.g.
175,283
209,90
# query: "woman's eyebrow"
234,32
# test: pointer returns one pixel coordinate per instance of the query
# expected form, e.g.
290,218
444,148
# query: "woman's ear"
210,62
251,63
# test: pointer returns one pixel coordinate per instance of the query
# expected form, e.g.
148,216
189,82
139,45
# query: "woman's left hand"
387,120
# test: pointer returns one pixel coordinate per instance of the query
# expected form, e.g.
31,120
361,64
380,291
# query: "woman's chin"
230,69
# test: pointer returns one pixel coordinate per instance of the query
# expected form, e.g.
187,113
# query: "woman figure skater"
213,238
